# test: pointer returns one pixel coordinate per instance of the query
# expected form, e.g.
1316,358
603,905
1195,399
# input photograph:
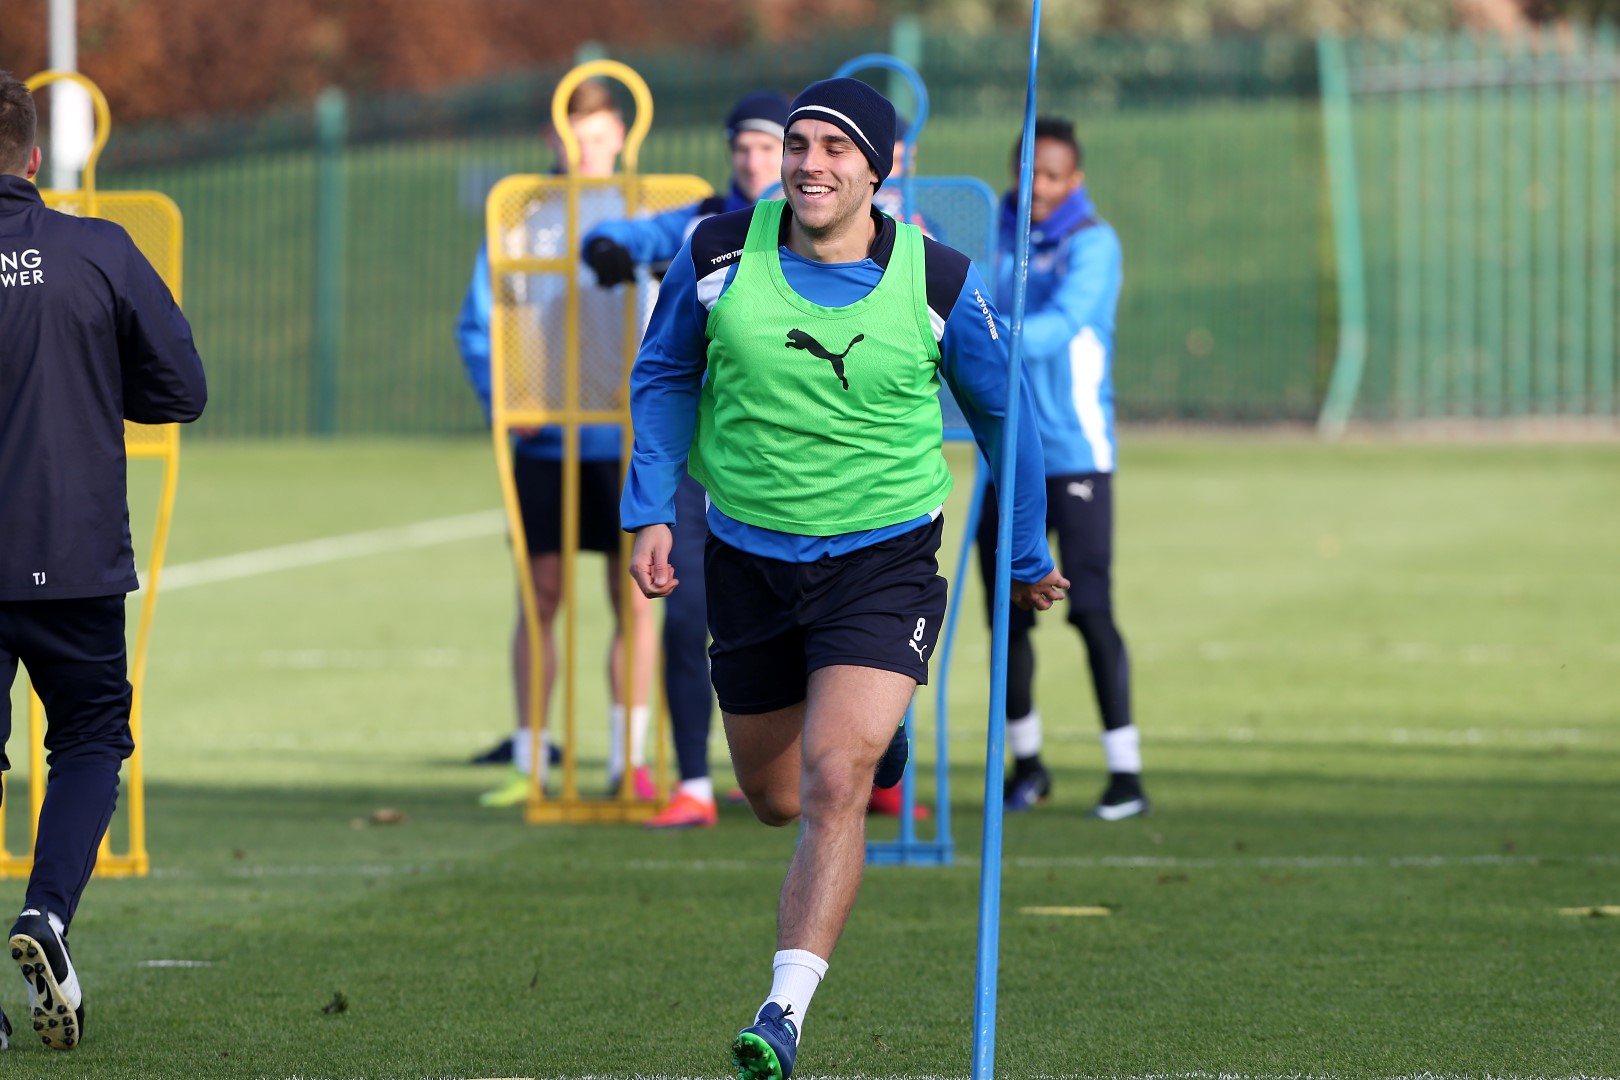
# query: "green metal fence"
1475,207
326,256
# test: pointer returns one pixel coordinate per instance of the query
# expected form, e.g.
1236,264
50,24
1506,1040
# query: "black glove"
611,262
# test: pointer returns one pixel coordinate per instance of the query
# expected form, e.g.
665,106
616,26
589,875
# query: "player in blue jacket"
92,337
794,358
537,458
613,250
1068,348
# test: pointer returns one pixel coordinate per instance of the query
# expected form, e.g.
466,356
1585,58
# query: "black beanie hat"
856,109
761,110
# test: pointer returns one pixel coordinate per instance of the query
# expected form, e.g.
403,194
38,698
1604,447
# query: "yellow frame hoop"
571,806
98,102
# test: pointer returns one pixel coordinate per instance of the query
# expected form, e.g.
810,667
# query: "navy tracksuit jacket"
89,336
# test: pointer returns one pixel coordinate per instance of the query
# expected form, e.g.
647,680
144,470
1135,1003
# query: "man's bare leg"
850,716
839,732
547,572
644,637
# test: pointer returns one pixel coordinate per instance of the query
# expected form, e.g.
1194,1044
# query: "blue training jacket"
1068,342
653,241
601,325
668,378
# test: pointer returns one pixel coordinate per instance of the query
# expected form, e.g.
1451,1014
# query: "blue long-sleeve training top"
543,309
656,240
668,377
1068,342
91,337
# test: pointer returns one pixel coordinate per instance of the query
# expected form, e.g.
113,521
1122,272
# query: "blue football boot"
891,767
766,1050
1026,788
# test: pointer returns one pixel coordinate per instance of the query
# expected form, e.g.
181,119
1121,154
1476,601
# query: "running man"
824,596
92,338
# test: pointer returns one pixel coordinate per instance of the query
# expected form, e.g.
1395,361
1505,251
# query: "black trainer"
54,998
1122,798
501,754
1025,787
891,767
5,1031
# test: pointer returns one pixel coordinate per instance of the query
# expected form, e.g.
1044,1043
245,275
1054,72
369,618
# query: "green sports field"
1379,689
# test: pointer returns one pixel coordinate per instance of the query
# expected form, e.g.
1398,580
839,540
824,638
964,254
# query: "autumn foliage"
183,58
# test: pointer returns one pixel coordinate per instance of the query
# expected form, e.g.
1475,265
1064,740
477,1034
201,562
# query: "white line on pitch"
1193,862
1021,862
1168,1076
313,870
334,548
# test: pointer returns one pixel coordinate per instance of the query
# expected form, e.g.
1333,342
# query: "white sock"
701,789
616,740
795,976
1024,735
640,716
523,753
1122,748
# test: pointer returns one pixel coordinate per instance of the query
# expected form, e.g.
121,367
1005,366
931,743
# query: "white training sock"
795,976
522,750
1122,748
701,789
1024,735
616,741
523,753
640,716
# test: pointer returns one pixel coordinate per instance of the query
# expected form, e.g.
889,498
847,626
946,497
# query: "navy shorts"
1080,509
539,491
775,622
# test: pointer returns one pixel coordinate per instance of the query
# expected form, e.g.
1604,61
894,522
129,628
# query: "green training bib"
816,420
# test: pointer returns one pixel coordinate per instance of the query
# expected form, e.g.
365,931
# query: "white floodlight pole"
72,124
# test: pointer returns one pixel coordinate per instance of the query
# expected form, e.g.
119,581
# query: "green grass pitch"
1379,689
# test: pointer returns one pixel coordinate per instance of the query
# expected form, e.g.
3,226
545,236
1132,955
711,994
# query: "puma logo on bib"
798,339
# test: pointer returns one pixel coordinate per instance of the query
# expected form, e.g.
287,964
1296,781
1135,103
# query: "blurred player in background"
613,250
92,337
796,354
1068,348
890,198
598,125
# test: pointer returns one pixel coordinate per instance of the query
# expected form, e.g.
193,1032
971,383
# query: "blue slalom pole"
984,1004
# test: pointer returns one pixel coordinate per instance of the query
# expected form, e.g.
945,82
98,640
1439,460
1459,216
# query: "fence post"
330,123
1341,146
905,43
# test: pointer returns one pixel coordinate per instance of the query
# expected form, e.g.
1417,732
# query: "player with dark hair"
92,338
826,490
537,466
613,249
1068,345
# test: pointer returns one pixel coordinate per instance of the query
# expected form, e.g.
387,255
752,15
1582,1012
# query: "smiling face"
756,162
827,180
